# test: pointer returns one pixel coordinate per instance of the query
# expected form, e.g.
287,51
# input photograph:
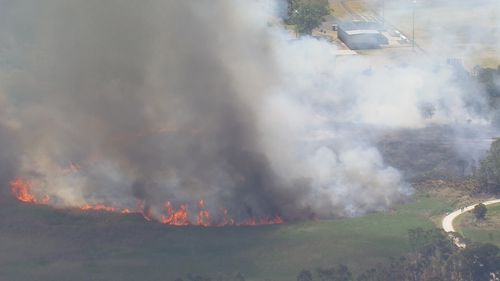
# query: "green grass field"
39,243
487,232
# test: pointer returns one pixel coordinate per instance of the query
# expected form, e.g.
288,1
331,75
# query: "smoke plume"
119,101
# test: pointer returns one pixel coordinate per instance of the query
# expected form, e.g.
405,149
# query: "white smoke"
247,113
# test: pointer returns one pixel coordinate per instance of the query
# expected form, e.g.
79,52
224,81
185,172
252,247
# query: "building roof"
361,26
362,31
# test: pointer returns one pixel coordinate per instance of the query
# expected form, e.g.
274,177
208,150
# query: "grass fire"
308,140
22,190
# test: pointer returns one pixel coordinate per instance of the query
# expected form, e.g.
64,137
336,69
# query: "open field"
488,231
46,244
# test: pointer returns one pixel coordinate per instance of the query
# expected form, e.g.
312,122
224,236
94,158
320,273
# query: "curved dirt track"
447,222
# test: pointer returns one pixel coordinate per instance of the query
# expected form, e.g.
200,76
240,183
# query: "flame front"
102,207
203,215
23,191
175,217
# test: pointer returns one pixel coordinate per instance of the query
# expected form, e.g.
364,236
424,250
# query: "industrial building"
361,35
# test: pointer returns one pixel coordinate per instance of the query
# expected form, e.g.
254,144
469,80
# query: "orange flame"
22,191
173,217
203,215
98,207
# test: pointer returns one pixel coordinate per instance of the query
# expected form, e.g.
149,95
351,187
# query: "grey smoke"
153,100
182,101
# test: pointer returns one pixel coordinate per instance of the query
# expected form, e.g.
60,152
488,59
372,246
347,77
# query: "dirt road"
447,222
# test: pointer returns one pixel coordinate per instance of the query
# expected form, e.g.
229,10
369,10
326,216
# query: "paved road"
447,222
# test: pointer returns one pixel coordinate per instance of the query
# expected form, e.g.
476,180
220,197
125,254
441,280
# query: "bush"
480,211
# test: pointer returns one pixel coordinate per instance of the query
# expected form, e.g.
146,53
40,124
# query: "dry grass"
338,11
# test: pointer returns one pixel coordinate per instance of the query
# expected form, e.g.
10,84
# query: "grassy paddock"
39,243
488,231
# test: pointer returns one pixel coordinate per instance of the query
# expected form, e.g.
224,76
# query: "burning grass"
24,191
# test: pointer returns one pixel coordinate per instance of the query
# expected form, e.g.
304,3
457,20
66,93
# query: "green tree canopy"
306,15
480,211
477,261
489,171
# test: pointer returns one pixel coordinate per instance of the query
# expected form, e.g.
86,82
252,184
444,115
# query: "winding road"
447,222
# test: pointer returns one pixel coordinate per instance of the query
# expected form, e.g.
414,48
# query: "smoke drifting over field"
118,101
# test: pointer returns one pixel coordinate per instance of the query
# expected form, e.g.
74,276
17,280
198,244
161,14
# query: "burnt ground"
436,152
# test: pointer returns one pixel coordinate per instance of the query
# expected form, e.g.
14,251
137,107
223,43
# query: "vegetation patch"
487,230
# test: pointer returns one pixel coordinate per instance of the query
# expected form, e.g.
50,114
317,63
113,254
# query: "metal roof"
359,25
361,31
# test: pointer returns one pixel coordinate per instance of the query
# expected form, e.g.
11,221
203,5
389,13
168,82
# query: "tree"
489,171
307,15
480,211
429,242
477,261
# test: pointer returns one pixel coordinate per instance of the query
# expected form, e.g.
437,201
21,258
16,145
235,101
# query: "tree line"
488,174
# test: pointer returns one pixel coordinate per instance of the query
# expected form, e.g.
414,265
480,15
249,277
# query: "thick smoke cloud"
153,101
182,101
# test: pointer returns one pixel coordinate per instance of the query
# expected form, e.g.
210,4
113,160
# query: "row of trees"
488,174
